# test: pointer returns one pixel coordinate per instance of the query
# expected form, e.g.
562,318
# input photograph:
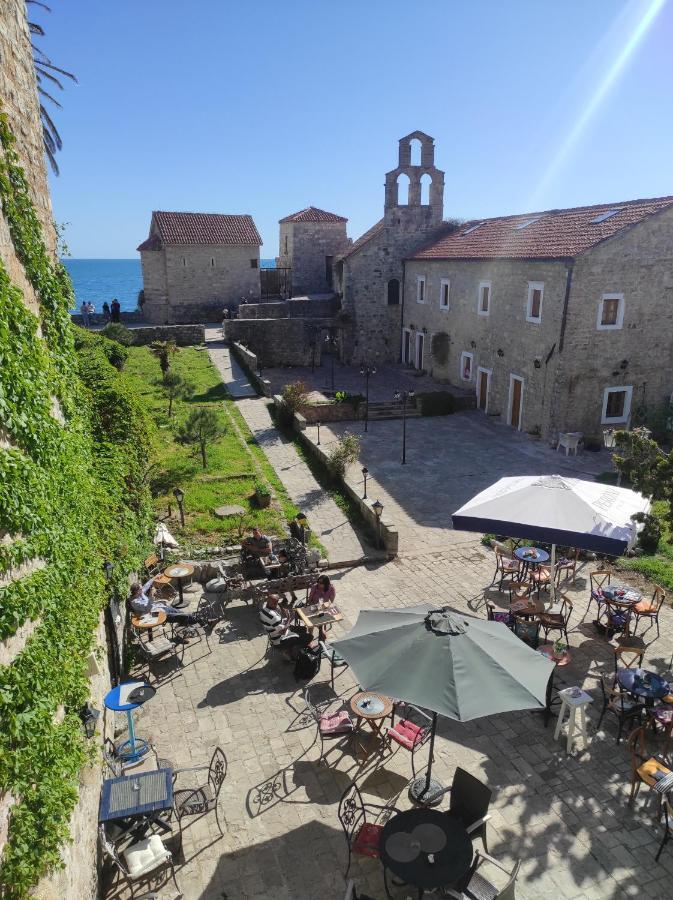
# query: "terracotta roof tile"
153,242
548,235
205,228
313,214
363,239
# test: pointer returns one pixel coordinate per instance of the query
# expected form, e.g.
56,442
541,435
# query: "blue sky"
266,107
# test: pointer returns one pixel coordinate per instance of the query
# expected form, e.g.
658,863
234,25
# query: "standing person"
84,312
92,310
115,310
106,312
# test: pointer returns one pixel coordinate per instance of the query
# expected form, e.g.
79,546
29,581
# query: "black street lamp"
365,472
331,342
314,330
377,506
367,371
179,495
318,424
107,568
404,397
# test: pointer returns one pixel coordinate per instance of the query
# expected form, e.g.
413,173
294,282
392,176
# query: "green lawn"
235,461
656,567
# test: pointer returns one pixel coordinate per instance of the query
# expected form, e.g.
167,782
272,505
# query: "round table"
548,651
541,556
125,698
179,571
426,848
372,708
653,688
148,621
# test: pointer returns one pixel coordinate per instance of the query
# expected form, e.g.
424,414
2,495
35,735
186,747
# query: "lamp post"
610,441
404,397
365,472
367,371
377,506
318,424
331,342
179,495
107,568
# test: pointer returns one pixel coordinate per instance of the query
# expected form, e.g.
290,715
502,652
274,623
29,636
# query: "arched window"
415,146
393,292
426,181
403,190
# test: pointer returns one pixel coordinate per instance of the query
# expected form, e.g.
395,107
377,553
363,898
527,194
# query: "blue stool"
125,698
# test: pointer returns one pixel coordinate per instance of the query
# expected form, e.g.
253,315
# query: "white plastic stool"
572,704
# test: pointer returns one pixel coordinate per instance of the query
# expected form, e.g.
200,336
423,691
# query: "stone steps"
379,411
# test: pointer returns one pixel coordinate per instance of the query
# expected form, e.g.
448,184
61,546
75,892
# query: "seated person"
322,593
275,617
257,544
142,603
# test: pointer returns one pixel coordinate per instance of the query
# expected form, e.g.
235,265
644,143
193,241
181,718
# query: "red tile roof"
549,235
153,242
313,214
203,228
363,239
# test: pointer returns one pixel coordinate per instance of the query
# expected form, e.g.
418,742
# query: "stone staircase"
379,411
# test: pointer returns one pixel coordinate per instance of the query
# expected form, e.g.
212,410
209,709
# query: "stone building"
309,242
559,320
369,275
195,264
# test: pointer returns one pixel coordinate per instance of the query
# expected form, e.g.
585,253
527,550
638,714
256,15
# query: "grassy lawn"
656,567
235,461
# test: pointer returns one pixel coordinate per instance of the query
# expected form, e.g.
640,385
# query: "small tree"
115,331
642,461
294,395
201,428
176,388
343,454
164,350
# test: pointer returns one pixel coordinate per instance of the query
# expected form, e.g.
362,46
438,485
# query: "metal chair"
643,765
479,888
144,861
506,566
203,799
668,826
117,766
334,727
618,702
650,609
158,650
557,621
566,567
335,661
407,733
201,627
470,800
359,820
598,580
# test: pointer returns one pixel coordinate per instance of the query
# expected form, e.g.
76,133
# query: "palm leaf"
41,91
42,73
47,121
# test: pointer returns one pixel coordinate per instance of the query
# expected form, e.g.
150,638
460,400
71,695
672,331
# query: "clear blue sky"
265,107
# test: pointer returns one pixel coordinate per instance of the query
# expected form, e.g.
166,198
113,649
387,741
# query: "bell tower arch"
414,211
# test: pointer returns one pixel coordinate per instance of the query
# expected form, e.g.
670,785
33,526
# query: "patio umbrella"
556,510
452,664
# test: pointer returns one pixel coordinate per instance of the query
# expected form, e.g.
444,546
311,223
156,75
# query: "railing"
275,283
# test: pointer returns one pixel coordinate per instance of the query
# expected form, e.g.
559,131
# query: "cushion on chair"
145,856
662,715
367,840
652,765
338,723
158,646
510,565
406,733
644,607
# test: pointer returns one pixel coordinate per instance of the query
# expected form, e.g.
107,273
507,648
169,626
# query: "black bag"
307,664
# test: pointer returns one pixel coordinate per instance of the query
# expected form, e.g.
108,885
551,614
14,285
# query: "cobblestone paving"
566,817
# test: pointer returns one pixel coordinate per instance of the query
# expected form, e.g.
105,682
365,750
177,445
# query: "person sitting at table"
275,617
322,593
257,544
143,603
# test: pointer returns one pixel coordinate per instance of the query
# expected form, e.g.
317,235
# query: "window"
471,229
420,288
444,287
286,245
329,264
608,214
610,312
253,263
466,366
393,292
212,260
184,261
484,298
616,405
534,307
521,225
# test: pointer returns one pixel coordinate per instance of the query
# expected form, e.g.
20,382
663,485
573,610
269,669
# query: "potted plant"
262,494
559,649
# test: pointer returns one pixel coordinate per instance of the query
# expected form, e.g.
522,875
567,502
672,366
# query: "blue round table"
651,687
125,698
541,556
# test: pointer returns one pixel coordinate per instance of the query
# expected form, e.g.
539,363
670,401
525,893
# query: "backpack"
307,664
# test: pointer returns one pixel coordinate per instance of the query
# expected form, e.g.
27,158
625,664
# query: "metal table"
125,698
645,685
137,797
179,571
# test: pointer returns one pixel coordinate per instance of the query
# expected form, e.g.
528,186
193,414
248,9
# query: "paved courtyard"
566,817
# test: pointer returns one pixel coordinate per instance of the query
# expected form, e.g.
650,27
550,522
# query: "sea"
98,280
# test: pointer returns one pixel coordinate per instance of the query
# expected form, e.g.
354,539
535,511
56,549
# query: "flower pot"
263,500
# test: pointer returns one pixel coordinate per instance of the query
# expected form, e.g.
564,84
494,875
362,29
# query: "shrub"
115,331
294,395
176,388
347,397
650,535
201,429
163,350
343,454
436,403
262,489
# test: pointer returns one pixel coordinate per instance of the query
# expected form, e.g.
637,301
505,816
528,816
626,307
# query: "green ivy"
72,494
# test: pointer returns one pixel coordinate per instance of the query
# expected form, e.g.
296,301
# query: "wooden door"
483,390
407,343
419,351
516,400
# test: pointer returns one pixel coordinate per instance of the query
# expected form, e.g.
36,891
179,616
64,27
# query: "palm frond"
61,71
41,91
52,159
38,3
40,72
51,128
34,28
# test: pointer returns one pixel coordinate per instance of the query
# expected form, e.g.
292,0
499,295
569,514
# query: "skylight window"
472,228
527,222
605,215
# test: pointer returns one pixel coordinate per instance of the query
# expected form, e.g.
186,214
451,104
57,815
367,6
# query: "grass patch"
235,461
656,567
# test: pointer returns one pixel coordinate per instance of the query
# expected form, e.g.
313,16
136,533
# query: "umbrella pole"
432,747
426,790
552,574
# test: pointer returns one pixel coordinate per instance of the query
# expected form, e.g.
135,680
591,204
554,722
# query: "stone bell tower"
418,212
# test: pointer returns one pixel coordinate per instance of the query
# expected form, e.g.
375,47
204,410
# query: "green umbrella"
452,664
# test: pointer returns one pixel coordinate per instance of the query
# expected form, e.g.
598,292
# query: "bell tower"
419,209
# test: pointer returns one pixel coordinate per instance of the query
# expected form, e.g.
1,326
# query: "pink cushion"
406,733
663,715
339,723
509,564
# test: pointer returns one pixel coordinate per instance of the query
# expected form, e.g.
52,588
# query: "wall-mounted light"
89,716
501,353
107,568
473,344
537,363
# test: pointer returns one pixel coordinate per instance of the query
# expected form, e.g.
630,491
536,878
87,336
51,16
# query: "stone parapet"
276,342
296,308
183,335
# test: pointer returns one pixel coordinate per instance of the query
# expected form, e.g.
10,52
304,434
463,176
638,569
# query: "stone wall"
276,342
183,335
195,283
99,321
309,244
295,308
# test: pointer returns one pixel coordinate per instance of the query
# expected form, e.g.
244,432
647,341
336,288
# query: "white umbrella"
163,536
556,510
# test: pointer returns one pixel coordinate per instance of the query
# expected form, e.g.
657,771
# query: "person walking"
106,312
84,312
115,310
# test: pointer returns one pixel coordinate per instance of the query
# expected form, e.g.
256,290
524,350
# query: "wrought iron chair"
145,861
407,733
335,661
201,628
619,703
158,650
470,800
528,632
617,617
333,728
479,888
203,799
629,657
646,609
359,820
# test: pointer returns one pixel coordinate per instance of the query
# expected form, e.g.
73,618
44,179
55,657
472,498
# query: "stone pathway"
329,523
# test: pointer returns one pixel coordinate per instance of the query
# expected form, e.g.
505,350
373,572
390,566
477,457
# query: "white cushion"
158,645
217,585
145,856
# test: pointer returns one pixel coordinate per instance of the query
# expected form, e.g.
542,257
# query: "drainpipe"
404,279
566,300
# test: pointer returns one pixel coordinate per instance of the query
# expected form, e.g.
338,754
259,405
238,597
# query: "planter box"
263,500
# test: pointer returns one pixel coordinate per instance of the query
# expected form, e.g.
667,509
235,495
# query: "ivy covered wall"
73,450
